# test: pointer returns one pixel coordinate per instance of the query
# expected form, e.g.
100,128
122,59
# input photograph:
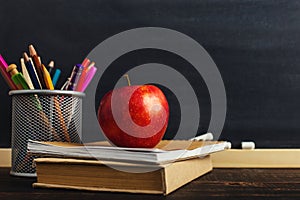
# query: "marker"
76,72
5,74
48,81
38,65
17,77
26,74
50,67
31,71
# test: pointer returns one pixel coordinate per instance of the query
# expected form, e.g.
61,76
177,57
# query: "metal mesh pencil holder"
42,115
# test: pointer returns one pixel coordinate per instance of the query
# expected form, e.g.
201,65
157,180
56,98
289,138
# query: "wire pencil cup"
42,115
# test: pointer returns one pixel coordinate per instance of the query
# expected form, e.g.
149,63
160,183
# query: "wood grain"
219,184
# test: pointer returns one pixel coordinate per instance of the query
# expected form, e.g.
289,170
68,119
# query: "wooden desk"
219,184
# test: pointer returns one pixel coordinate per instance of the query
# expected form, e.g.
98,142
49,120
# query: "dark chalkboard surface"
254,43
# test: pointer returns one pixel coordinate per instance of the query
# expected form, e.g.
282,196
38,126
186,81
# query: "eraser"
248,145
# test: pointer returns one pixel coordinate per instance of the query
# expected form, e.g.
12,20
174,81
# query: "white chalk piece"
228,145
204,137
248,145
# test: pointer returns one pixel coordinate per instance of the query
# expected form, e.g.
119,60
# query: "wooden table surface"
219,184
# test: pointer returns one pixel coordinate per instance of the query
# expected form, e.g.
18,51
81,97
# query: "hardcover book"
110,176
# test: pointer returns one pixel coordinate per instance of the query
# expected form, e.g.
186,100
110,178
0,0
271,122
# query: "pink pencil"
84,73
5,74
88,78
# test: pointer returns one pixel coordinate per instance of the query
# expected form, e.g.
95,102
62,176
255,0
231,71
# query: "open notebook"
166,151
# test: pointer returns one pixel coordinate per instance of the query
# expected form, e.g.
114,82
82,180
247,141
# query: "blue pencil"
56,76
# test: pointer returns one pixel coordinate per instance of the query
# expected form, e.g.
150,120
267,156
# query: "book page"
165,145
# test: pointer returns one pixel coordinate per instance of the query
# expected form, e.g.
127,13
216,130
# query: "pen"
5,74
17,77
38,66
25,74
76,72
31,71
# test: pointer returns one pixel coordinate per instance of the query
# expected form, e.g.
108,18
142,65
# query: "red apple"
134,116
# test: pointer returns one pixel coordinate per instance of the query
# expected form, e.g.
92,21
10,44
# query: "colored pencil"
56,76
50,67
47,77
5,74
38,65
88,78
83,76
32,72
17,77
26,74
85,62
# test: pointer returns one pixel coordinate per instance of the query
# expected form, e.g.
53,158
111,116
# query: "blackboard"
255,45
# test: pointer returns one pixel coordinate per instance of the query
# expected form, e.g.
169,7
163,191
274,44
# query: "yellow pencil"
47,78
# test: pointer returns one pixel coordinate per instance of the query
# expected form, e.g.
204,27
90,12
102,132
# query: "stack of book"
102,167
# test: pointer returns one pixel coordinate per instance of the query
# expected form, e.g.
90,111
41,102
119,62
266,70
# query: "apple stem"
127,78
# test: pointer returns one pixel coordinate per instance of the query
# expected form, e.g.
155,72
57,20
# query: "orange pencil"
38,65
